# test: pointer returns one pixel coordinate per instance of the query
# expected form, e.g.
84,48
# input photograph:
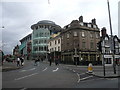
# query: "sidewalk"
109,72
98,71
7,66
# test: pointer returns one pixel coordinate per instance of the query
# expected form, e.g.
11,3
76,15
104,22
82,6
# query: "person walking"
18,62
35,64
22,61
50,60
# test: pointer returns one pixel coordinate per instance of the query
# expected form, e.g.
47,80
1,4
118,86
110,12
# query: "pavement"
109,72
8,66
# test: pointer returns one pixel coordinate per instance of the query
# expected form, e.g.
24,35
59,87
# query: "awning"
22,46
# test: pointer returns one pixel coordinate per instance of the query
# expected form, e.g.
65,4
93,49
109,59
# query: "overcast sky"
17,16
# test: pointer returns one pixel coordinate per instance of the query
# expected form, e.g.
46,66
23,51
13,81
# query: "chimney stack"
94,21
103,32
81,18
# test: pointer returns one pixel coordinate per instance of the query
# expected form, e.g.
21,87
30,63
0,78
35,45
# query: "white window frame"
83,34
75,33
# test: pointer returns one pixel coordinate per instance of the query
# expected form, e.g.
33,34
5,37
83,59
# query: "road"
61,76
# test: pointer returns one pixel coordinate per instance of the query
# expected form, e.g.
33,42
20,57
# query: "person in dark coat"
22,61
50,60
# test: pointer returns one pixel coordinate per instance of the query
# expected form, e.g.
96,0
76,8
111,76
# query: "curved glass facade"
39,41
40,36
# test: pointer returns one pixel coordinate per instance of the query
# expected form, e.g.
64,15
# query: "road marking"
28,70
23,70
94,79
55,70
31,69
78,78
23,89
73,70
111,78
26,76
86,78
45,69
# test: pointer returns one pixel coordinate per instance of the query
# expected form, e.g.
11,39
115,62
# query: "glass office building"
40,36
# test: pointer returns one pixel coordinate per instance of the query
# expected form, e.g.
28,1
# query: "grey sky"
17,16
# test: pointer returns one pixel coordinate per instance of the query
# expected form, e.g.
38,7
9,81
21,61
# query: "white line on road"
73,70
86,77
23,70
23,89
45,69
94,79
28,70
55,70
32,69
78,78
26,76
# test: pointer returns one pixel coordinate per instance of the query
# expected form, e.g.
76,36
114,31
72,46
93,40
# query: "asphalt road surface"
60,76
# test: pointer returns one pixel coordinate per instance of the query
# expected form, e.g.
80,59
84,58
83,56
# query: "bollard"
90,69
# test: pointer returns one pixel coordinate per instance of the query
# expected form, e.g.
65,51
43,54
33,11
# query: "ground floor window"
108,60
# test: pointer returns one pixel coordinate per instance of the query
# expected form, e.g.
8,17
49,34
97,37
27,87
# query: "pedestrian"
50,60
35,64
18,62
22,61
56,61
37,60
42,59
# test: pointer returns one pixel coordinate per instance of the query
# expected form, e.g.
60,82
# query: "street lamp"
112,43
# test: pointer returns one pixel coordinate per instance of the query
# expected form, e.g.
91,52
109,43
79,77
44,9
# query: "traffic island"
100,76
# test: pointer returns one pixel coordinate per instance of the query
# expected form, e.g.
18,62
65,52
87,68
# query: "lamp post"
112,43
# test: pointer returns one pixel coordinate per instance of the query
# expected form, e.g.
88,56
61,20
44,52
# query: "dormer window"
81,23
89,25
94,26
68,25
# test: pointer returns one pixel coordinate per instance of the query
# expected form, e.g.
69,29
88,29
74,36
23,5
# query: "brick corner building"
79,42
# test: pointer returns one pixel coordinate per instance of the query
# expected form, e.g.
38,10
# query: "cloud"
18,15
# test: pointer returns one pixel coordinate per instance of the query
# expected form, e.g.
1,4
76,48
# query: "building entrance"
76,60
